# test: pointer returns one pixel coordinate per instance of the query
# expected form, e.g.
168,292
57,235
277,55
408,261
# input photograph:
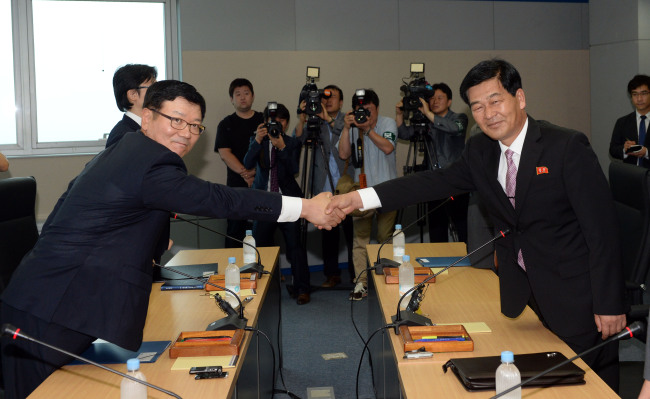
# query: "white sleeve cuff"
369,198
291,209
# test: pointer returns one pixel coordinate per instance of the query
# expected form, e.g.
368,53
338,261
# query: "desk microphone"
628,332
408,317
234,320
256,267
9,330
384,262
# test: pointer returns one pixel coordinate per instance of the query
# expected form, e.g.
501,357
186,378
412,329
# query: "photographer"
371,149
331,124
275,156
445,141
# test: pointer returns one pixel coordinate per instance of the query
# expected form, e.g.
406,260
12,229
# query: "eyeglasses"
180,124
643,93
142,87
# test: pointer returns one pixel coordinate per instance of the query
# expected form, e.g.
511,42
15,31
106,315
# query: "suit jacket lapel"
530,155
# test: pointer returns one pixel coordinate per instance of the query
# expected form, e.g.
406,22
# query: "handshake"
326,211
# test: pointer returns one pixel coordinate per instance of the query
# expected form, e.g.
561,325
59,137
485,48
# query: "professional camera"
360,113
312,97
273,127
416,89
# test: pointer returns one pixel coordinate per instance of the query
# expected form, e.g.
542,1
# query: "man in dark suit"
89,275
631,129
275,156
544,184
130,84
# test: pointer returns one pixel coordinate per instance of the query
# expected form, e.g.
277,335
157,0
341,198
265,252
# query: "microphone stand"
628,332
384,262
8,329
409,318
233,321
256,267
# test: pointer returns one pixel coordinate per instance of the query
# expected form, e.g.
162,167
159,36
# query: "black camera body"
413,91
360,113
273,127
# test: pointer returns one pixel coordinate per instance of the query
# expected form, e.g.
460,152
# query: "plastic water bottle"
233,279
131,389
508,376
250,256
398,243
406,278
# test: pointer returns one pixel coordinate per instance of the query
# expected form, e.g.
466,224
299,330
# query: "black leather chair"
18,231
630,187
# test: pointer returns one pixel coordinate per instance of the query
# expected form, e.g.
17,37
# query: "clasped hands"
326,211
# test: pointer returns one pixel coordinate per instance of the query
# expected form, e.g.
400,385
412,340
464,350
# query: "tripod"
312,141
422,142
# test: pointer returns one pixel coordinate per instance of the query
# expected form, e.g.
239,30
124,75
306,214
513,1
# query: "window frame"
24,80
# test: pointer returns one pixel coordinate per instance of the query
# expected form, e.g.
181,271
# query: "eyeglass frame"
639,93
171,123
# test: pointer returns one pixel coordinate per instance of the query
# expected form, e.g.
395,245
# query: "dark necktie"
511,188
275,186
642,133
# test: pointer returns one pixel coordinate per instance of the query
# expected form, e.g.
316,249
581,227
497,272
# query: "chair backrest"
629,185
18,231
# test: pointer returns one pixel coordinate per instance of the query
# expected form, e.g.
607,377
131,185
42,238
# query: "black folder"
477,373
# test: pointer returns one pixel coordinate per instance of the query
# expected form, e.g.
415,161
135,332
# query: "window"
7,88
69,106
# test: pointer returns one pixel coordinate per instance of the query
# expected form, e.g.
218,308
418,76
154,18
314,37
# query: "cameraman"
331,124
371,147
275,158
445,142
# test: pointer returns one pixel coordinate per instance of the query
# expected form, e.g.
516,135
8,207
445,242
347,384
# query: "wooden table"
170,313
465,294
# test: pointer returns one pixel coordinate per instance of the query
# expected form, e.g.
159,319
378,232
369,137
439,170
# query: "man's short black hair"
489,69
169,90
443,88
638,81
335,87
283,113
240,82
128,77
370,98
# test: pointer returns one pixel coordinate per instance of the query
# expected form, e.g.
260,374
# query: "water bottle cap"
398,227
507,357
133,364
231,259
249,232
406,258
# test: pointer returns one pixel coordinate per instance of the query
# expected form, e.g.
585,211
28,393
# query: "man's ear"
147,116
132,95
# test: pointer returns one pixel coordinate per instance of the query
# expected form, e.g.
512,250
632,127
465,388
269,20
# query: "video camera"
416,89
273,127
312,97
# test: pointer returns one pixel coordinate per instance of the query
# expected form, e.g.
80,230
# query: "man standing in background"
631,130
130,84
233,136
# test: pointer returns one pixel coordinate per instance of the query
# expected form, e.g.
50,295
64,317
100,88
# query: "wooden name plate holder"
447,338
421,273
207,343
248,280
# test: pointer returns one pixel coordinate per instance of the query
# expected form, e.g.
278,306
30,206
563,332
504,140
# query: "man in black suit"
562,256
631,129
89,275
130,84
275,156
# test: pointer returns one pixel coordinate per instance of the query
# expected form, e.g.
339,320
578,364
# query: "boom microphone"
233,321
256,267
409,318
636,328
9,330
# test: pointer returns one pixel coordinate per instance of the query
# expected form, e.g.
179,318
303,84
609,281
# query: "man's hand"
426,111
349,120
314,211
260,133
345,203
609,325
248,175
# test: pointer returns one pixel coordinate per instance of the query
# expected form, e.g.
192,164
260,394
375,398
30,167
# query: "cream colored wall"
556,84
